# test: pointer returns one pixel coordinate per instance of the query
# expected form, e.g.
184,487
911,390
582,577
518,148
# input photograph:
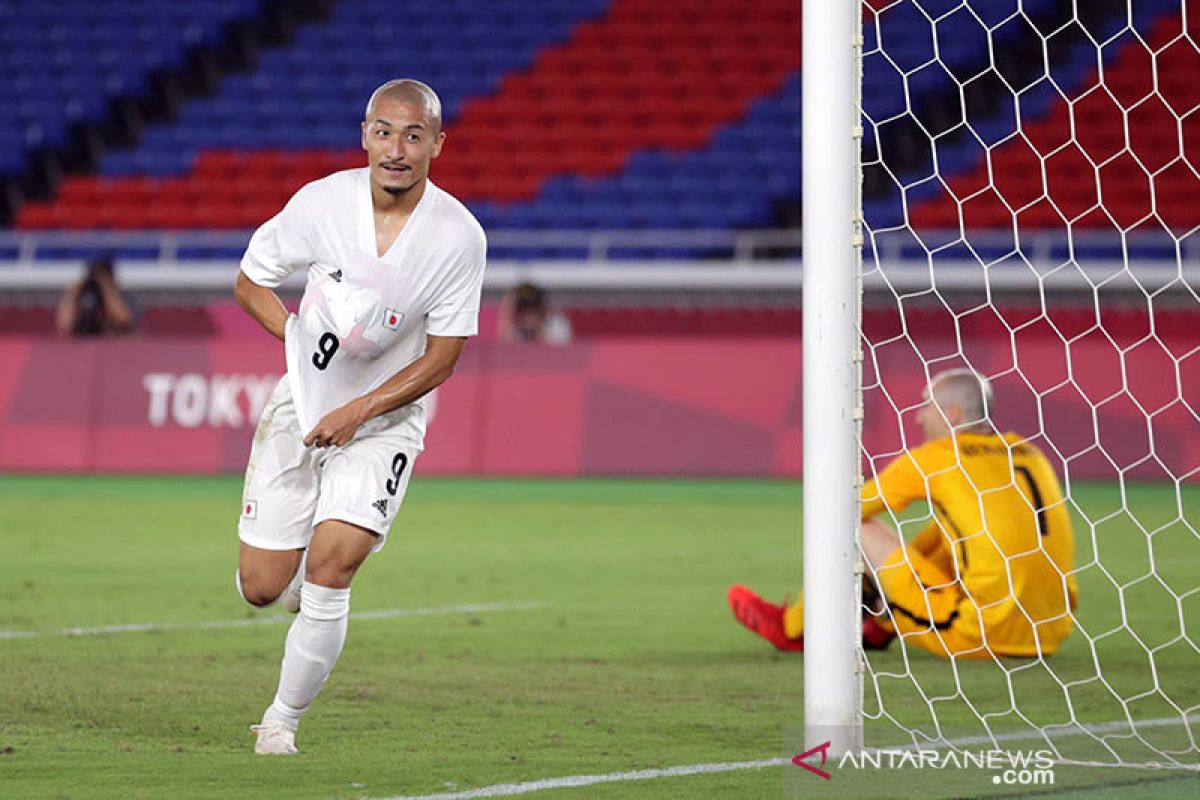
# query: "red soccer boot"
765,619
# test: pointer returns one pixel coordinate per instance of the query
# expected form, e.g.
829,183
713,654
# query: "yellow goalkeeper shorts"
924,602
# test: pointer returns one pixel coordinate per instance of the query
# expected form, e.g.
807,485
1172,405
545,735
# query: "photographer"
94,306
526,316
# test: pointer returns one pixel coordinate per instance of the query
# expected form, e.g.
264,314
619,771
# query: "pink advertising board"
637,407
621,406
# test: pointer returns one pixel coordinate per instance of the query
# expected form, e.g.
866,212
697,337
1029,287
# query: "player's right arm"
903,480
261,303
277,249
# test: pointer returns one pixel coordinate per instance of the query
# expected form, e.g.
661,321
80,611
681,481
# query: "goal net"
1031,202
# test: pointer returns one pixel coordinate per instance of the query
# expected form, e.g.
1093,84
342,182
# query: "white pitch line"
577,781
276,619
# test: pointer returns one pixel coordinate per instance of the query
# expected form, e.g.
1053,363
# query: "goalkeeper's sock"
314,643
793,618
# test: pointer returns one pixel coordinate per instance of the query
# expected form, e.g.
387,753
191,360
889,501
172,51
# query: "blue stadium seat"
80,56
324,65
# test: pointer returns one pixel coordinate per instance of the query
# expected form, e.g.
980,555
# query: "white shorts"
291,488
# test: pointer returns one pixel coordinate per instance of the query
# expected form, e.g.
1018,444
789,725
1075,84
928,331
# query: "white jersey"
363,318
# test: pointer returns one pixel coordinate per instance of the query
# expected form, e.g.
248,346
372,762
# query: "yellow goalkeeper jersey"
1003,517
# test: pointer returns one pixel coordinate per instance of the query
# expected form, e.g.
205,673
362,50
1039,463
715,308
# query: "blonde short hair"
967,389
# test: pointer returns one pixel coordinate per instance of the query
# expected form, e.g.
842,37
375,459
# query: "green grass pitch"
611,649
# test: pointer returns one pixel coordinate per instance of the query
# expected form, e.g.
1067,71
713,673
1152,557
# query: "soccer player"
394,272
990,575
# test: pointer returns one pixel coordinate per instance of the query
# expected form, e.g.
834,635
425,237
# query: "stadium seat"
69,65
581,88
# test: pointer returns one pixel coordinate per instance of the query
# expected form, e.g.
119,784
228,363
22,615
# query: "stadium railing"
614,259
617,259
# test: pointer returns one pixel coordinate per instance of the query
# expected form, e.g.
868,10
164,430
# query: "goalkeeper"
991,575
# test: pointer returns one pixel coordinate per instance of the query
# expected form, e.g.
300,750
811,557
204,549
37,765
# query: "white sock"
314,643
297,580
290,598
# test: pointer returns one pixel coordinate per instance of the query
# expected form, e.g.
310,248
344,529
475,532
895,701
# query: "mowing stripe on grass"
276,619
577,781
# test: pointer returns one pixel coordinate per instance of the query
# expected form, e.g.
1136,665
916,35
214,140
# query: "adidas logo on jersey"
380,506
336,275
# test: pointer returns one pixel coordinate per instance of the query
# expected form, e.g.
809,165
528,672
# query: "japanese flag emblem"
250,509
392,319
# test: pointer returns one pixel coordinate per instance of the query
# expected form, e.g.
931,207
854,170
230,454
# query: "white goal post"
832,246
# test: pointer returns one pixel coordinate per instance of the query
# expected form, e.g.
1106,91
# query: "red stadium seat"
1099,132
659,66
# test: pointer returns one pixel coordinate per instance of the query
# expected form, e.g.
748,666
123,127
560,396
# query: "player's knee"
255,591
329,573
330,567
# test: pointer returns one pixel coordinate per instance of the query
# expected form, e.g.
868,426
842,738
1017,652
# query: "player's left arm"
413,382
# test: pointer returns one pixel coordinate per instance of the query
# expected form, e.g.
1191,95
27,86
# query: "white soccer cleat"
274,739
290,599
